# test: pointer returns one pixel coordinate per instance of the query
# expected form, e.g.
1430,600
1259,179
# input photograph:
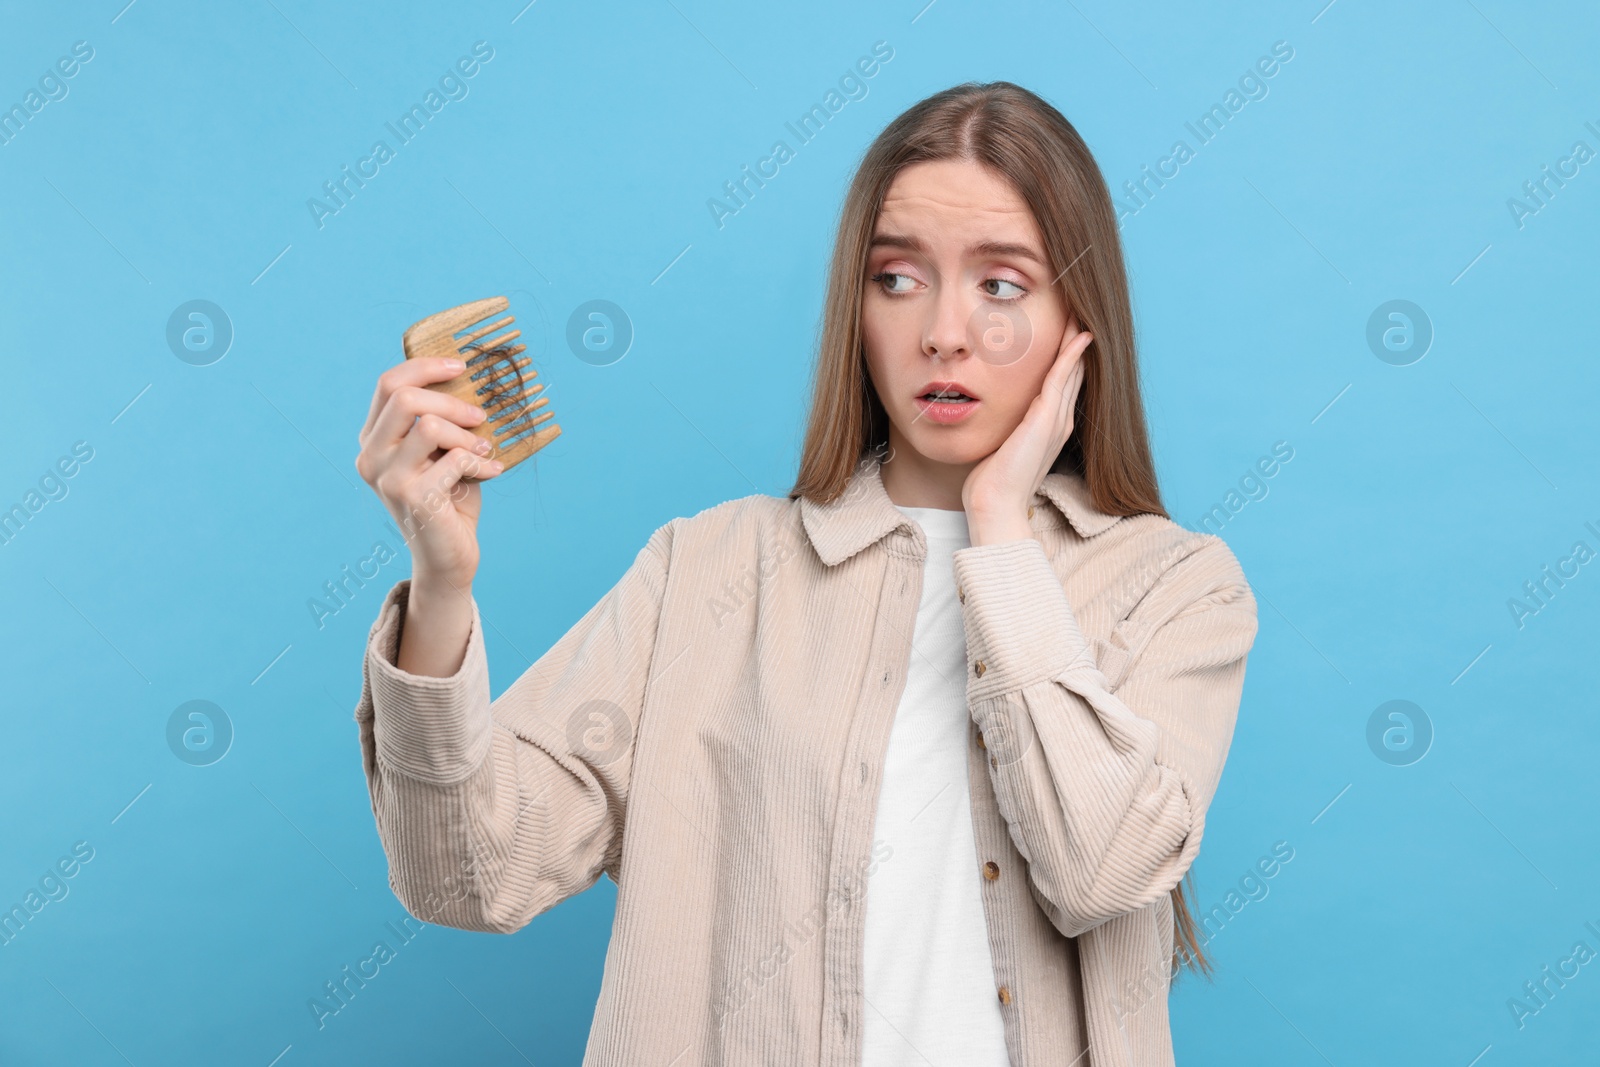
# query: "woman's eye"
1004,295
884,276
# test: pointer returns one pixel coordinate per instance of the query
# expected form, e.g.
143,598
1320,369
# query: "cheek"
881,323
1016,385
1009,398
1032,371
884,338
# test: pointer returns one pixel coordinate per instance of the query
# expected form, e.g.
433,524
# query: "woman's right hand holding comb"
417,454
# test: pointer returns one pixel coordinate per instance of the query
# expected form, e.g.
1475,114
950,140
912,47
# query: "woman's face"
958,294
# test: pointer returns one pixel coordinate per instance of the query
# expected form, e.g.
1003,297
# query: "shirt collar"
863,514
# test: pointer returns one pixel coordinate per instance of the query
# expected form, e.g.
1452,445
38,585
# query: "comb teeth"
467,343
493,373
495,378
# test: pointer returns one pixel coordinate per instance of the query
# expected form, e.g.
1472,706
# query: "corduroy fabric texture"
711,735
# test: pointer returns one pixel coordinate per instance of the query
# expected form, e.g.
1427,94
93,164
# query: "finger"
407,404
404,407
1069,391
424,370
456,465
1056,403
433,433
1070,359
430,491
1077,341
1069,400
1044,414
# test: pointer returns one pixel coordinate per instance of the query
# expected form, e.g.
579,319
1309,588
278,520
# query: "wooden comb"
494,378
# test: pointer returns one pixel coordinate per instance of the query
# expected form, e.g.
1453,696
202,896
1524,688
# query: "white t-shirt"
929,977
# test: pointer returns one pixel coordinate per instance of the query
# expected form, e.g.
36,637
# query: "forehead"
957,198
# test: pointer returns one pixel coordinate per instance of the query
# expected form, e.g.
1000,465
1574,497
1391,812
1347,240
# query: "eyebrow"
982,248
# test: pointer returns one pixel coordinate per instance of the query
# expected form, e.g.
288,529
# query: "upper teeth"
946,393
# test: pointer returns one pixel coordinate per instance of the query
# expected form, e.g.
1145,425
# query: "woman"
906,767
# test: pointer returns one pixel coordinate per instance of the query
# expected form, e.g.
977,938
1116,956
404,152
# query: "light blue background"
1419,500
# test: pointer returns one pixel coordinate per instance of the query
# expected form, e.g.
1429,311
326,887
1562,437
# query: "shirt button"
1005,994
980,740
991,870
961,594
978,668
1030,511
993,762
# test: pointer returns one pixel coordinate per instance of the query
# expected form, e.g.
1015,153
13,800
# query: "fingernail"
453,364
496,466
483,448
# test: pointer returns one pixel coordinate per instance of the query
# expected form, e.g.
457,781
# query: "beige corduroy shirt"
711,735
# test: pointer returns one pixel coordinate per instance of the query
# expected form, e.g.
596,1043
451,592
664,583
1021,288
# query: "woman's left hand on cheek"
999,489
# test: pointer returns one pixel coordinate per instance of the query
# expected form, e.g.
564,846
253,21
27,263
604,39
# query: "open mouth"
945,403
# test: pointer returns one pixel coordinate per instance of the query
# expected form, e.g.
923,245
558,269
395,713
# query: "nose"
945,335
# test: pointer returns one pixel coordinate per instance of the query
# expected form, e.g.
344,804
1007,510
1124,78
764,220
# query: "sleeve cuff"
433,729
1019,625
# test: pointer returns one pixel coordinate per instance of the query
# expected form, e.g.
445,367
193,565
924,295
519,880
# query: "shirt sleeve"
493,811
1104,759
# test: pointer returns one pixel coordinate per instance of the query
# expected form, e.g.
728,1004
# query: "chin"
953,448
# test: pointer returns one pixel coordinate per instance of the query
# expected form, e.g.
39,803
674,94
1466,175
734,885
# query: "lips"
946,391
945,402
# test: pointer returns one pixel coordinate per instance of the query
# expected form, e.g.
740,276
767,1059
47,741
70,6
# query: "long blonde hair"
1020,136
